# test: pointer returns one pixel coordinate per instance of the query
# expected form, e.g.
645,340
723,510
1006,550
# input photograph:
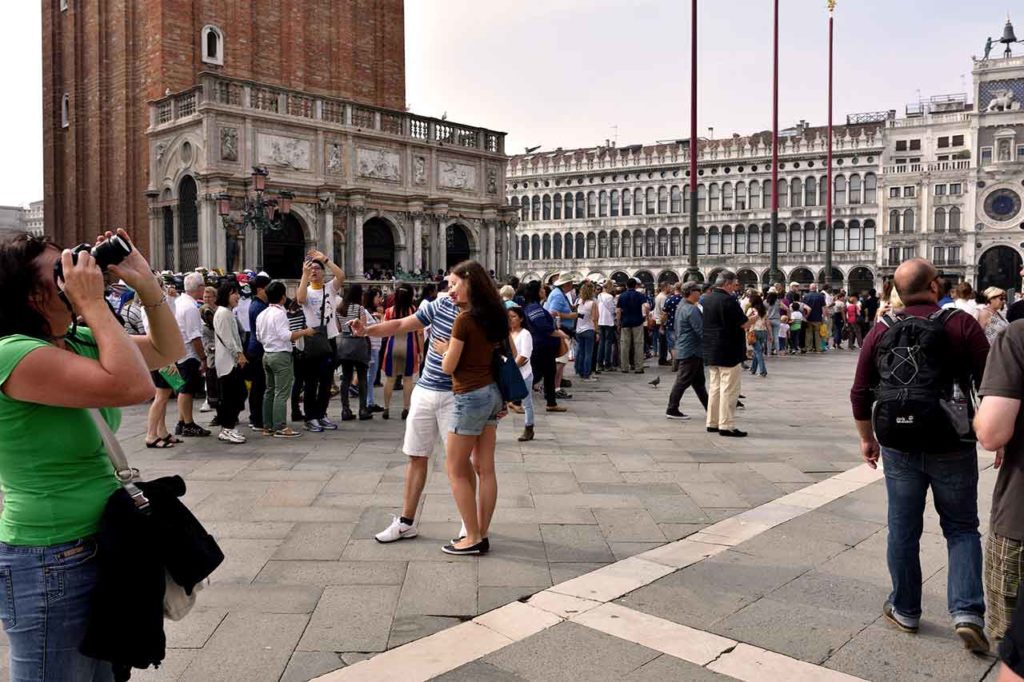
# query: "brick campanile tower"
104,62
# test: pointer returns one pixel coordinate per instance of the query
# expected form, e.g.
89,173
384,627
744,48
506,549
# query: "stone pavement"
306,590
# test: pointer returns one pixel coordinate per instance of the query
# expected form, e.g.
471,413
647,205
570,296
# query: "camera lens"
111,252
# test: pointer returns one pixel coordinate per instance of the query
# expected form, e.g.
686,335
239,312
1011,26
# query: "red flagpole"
828,200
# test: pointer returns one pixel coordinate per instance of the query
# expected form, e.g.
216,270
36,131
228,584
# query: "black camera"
110,252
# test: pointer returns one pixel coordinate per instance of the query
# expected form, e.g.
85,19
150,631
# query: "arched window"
568,246
213,45
840,195
569,206
822,233
673,242
939,224
535,214
581,246
714,241
839,236
525,213
558,207
602,204
591,204
651,201
627,202
602,244
908,220
677,200
855,188
627,244
714,198
546,241
613,248
894,222
783,193
535,241
638,245
954,219
869,235
795,238
766,194
810,238
741,238
638,202
727,196
702,241
810,192
614,207
702,198
524,248
556,244
854,236
591,245
755,195
726,241
796,193
662,200
753,240
870,188
781,239
686,240
766,238
741,196
547,207
514,202
581,206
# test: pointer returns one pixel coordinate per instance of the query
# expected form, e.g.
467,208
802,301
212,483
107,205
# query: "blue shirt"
542,326
816,302
557,302
631,303
689,331
255,349
669,307
440,315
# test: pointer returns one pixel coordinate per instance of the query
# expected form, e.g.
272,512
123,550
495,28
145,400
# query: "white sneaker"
396,531
236,436
206,407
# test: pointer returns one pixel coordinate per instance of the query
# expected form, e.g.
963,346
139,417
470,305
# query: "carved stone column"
417,241
492,247
356,231
326,244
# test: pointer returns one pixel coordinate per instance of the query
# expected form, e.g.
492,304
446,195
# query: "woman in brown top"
480,330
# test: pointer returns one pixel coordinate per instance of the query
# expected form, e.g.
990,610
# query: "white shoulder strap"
125,474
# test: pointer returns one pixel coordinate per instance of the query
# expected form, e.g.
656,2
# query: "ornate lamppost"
260,213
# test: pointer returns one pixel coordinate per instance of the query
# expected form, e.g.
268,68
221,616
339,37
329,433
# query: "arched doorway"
284,249
620,278
860,280
188,217
802,276
835,281
668,276
378,246
748,278
646,280
999,267
168,220
457,245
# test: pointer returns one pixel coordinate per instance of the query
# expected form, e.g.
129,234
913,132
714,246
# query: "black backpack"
915,409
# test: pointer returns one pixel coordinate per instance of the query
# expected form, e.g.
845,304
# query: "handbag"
352,348
318,346
507,374
177,602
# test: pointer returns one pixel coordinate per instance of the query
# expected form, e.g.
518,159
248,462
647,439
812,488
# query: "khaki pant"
631,348
812,336
723,391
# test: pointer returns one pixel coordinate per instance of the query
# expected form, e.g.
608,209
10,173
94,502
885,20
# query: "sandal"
174,440
160,444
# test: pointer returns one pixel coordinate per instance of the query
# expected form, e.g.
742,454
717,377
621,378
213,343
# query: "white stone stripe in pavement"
570,600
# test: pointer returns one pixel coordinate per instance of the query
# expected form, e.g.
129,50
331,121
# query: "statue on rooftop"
988,47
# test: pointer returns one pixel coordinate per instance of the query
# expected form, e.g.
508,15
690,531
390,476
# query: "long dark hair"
21,281
485,305
757,304
368,297
402,304
353,296
224,292
531,292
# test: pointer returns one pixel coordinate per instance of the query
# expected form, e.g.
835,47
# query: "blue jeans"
528,402
953,478
476,410
371,372
760,344
773,338
606,351
585,352
45,599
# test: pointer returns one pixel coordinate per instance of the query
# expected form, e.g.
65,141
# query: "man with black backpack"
911,402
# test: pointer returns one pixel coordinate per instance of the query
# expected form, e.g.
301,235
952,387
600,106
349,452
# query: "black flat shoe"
477,549
734,433
712,429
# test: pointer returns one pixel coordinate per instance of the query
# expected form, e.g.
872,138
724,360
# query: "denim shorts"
45,599
476,409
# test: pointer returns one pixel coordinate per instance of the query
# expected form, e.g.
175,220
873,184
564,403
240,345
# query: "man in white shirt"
319,300
274,333
659,335
192,366
606,324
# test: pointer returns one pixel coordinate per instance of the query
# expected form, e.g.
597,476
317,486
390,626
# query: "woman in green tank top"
55,475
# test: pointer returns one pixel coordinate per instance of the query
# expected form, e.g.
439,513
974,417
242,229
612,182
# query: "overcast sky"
566,72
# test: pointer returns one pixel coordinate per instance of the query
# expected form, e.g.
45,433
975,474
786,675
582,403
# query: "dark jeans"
232,397
662,343
299,368
691,373
543,362
348,369
254,373
953,478
606,347
317,378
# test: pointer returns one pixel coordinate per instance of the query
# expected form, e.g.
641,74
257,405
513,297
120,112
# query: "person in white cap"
560,308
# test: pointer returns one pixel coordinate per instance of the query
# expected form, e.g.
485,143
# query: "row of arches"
808,237
711,197
944,220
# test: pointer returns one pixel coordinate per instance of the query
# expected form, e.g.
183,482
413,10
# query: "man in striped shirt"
431,406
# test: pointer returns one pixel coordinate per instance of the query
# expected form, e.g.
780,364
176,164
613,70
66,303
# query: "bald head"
916,282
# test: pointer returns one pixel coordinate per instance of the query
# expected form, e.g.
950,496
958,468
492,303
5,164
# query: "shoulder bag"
507,374
318,346
352,348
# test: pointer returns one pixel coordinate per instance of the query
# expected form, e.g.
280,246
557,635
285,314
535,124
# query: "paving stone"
825,526
552,483
333,572
261,598
194,631
859,599
677,531
406,629
305,665
796,548
497,571
171,668
628,525
311,541
602,472
439,589
560,572
575,544
478,671
569,652
624,550
490,598
714,495
248,647
351,618
666,667
243,559
249,530
674,509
